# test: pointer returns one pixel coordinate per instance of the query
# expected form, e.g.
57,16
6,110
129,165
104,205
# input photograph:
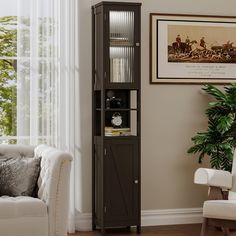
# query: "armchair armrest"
53,184
212,177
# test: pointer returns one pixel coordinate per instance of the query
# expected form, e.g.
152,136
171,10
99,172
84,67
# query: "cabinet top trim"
118,3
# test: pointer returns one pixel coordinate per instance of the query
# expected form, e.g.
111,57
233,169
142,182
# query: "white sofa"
47,214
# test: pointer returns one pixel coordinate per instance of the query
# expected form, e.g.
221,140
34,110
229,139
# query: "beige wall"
171,114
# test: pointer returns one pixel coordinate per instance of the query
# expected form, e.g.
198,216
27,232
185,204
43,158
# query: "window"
8,71
28,72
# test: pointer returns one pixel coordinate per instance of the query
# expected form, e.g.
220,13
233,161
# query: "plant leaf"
215,92
225,122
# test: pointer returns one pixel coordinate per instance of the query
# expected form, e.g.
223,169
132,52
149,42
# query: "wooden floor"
174,230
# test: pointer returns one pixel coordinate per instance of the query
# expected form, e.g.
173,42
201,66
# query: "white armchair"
45,215
219,212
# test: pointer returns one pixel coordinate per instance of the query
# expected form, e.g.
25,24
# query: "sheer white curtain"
46,74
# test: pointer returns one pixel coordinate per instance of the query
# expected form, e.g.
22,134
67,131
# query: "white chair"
219,212
47,214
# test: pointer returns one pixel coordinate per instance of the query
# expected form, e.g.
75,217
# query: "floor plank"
174,230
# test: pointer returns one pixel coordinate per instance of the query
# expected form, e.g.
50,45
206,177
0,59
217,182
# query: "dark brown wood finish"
224,225
115,160
94,116
137,23
121,182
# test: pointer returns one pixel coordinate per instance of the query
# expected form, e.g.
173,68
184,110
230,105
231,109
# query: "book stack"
110,131
119,39
119,68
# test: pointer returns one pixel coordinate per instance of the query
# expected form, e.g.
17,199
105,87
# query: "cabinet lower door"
122,185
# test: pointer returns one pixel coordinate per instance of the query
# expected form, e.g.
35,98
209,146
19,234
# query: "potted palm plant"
219,140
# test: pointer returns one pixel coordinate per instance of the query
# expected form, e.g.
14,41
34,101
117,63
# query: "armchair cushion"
23,216
23,206
212,177
220,209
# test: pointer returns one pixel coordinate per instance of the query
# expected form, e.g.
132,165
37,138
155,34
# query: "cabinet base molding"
152,218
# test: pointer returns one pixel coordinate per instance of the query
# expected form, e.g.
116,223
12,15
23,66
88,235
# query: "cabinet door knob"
136,181
137,44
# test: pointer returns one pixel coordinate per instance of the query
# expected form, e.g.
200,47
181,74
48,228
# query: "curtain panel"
46,75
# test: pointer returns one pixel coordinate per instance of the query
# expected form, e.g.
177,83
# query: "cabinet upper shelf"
118,109
121,44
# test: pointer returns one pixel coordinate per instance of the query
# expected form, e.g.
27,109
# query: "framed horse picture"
192,49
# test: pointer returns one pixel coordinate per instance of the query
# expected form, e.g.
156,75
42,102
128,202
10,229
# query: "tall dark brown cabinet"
116,115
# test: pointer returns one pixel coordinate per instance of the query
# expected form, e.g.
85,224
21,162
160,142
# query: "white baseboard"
83,222
171,216
152,218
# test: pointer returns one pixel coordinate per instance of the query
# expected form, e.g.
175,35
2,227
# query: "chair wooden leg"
204,226
225,231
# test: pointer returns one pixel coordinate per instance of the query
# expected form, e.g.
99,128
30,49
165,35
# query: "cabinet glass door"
121,48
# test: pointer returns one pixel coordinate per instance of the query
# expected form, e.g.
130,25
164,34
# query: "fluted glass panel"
121,46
